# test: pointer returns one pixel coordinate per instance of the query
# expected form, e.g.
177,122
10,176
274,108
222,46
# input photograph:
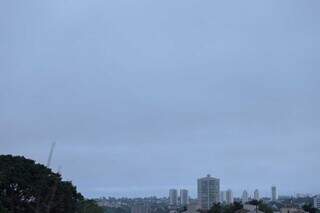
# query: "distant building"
291,210
229,196
223,196
192,208
245,197
302,195
208,191
256,195
184,197
173,197
140,208
274,194
247,208
316,201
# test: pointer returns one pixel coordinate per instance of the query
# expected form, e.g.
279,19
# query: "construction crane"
50,154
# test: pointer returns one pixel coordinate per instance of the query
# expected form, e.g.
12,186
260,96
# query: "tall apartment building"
223,196
245,197
173,197
256,195
184,197
208,191
274,194
229,196
316,202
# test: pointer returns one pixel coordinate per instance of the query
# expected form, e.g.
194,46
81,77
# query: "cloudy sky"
142,95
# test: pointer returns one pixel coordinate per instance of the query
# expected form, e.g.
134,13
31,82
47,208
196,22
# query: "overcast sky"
142,96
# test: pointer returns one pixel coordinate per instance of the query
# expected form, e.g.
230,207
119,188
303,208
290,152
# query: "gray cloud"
143,96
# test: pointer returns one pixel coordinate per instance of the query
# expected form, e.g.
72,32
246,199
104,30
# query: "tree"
309,208
216,208
255,203
89,206
265,208
236,206
2,209
232,207
26,186
261,206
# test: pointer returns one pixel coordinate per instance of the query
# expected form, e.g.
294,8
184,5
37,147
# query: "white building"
173,197
245,197
274,194
184,198
316,202
256,195
223,196
208,191
229,195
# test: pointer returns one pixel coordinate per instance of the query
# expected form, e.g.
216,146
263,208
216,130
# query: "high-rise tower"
229,196
245,197
184,198
256,195
208,191
173,197
274,194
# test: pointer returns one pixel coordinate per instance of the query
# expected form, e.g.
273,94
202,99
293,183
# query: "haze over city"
144,96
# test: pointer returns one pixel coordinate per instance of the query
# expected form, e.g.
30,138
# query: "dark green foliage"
89,206
3,209
218,208
183,209
233,207
117,210
255,202
29,187
309,208
265,208
261,206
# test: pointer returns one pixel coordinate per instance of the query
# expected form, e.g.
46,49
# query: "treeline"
260,205
126,209
231,208
28,187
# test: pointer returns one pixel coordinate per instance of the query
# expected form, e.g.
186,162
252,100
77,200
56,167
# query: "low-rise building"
192,208
291,210
140,208
247,208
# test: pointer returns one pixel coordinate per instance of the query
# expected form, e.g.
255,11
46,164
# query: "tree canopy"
26,186
308,207
221,208
261,206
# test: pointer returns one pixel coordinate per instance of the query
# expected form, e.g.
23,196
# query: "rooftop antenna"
50,154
